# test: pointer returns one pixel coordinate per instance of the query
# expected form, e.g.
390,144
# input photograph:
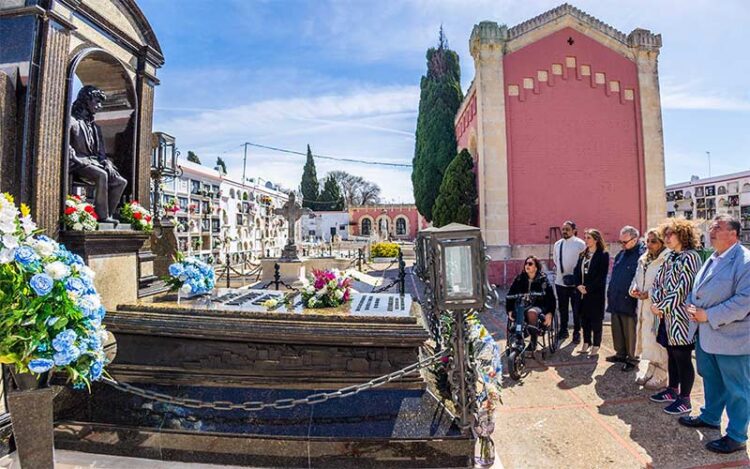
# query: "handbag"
661,334
569,280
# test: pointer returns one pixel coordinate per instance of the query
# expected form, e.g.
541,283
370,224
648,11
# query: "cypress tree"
330,198
309,185
458,192
439,100
192,157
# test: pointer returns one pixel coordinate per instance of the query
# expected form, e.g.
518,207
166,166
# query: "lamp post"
455,263
163,169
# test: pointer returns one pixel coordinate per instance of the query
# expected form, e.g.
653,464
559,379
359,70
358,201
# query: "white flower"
74,217
10,241
186,288
86,271
28,225
6,256
77,227
57,270
45,248
8,226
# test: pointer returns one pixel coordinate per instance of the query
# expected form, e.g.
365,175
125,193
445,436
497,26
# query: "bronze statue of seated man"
87,158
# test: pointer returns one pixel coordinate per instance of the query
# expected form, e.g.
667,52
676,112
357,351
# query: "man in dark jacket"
620,304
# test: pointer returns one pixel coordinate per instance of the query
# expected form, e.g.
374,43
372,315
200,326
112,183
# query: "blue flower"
26,256
75,285
94,343
79,386
67,355
64,340
96,370
175,270
192,272
88,285
41,284
41,365
46,239
89,306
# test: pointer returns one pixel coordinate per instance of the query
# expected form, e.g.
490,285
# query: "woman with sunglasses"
591,278
669,303
533,280
652,369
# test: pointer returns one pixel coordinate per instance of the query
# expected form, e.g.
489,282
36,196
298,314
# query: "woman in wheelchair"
542,307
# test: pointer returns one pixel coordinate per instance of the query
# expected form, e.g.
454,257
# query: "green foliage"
384,249
192,157
309,185
220,163
330,198
458,192
439,100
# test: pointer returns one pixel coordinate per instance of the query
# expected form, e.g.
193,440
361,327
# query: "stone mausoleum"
563,120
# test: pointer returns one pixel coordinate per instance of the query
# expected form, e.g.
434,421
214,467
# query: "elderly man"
720,305
620,304
565,255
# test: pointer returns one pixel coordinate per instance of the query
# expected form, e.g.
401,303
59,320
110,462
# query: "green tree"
193,157
330,198
458,192
221,164
309,185
439,100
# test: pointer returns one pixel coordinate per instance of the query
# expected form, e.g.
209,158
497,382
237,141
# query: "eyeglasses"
626,242
530,263
653,241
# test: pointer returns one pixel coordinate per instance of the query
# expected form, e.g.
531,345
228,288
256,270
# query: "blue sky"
344,76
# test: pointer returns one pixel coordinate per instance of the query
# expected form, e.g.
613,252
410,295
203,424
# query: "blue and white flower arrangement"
190,276
50,313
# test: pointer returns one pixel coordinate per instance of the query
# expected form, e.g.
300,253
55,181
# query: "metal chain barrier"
288,403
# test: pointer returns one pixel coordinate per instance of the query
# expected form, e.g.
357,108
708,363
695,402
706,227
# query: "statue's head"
88,102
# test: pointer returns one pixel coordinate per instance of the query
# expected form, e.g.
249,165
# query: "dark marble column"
8,134
143,153
47,156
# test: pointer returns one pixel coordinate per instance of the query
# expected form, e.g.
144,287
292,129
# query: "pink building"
399,221
563,119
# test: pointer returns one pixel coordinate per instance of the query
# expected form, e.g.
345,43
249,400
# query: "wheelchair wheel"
552,339
515,364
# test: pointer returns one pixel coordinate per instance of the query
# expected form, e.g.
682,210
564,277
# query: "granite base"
378,428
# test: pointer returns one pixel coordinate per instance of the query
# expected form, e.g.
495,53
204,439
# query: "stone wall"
8,133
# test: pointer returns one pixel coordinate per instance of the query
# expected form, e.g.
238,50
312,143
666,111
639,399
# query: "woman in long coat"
591,279
652,369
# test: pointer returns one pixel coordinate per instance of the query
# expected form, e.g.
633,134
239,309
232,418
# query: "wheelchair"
518,331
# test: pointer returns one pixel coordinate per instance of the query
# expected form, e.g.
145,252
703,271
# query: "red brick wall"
574,146
466,123
415,221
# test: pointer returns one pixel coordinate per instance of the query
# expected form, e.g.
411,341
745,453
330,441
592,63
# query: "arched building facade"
563,120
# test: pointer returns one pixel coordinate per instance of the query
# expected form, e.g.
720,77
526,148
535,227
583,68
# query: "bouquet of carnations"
172,206
326,289
138,217
50,313
79,215
190,276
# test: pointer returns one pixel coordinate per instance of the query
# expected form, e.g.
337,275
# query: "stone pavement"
578,412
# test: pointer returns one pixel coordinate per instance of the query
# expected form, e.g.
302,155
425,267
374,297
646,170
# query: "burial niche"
109,142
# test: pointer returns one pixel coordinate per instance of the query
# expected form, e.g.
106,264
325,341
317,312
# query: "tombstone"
99,46
291,267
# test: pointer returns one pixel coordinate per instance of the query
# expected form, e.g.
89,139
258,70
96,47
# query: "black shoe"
725,445
576,338
562,335
628,366
696,422
615,359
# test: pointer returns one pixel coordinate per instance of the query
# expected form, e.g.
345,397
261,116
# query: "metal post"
460,375
228,272
359,259
276,275
401,274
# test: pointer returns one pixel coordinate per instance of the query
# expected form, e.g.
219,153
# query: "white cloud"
371,123
693,96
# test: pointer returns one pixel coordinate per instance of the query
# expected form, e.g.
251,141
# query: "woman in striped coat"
669,295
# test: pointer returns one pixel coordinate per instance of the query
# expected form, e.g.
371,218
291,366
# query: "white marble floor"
76,460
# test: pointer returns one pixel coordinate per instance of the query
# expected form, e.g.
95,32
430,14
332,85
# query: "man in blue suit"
720,306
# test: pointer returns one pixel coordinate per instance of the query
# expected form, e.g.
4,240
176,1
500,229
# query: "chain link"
287,403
